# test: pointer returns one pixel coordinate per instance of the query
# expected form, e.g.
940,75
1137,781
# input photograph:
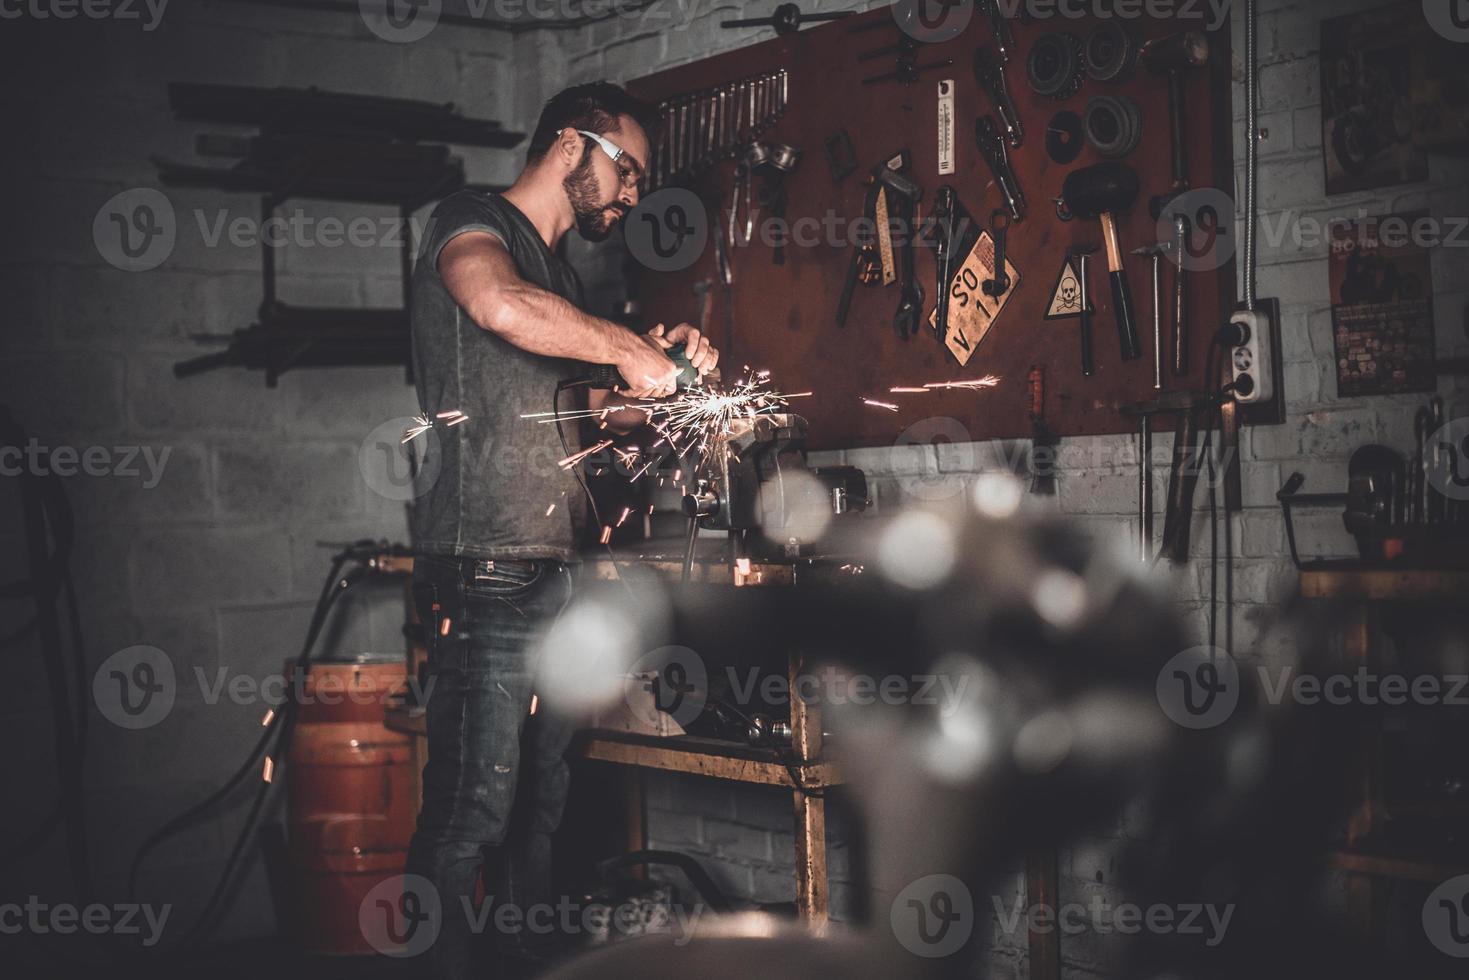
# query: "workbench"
1362,589
713,758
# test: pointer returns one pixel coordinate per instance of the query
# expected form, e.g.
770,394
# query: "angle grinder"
605,376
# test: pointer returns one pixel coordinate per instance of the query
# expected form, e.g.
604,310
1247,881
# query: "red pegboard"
782,317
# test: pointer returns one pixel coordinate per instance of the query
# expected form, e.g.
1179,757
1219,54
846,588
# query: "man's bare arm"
481,276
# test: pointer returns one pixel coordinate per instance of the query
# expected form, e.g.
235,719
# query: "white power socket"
1250,357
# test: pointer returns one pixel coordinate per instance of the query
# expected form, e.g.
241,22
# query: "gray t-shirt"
490,487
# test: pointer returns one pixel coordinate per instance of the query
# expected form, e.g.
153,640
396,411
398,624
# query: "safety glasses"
629,171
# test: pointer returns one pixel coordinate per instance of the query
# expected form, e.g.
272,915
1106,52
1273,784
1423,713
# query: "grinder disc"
1110,53
1056,67
1064,137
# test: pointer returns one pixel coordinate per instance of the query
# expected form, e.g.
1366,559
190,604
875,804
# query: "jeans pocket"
503,579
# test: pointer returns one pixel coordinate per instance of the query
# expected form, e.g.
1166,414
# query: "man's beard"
595,218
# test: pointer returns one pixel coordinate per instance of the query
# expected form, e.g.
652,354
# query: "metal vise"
752,486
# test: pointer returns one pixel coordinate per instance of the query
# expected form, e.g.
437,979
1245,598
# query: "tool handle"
1126,317
1176,144
1088,359
605,377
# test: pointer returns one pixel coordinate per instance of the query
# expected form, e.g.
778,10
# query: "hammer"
1101,191
1173,56
1156,253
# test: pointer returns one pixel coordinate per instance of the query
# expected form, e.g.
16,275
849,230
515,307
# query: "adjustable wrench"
996,153
999,228
990,74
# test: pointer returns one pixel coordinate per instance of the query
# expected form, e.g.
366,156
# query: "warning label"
1066,297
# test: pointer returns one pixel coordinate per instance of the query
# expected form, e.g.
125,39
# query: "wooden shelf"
715,758
1355,580
1384,862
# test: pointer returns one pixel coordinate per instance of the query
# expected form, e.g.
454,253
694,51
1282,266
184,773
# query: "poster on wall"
1382,306
1366,100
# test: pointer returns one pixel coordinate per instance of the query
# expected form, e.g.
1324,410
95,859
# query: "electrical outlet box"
1252,357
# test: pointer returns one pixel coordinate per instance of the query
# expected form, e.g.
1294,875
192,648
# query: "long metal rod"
1252,147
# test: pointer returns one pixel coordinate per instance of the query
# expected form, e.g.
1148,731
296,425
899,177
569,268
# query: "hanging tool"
780,161
990,73
1175,56
1000,29
1102,191
700,129
787,19
952,234
999,229
1082,254
1155,253
1043,439
897,203
874,259
996,153
908,69
866,264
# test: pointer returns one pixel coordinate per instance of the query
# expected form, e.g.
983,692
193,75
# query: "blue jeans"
495,783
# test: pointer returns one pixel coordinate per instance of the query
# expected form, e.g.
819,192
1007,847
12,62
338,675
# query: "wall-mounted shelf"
327,146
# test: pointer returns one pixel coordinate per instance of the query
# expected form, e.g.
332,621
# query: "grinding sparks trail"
422,423
988,381
690,422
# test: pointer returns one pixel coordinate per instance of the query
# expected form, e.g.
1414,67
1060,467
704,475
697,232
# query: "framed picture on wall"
1382,306
1366,100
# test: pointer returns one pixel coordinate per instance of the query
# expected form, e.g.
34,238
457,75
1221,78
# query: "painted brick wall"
218,564
733,827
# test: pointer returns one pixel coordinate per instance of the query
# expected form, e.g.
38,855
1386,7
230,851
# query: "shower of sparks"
988,381
690,424
877,404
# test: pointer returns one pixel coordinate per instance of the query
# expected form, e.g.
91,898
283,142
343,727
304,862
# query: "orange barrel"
352,801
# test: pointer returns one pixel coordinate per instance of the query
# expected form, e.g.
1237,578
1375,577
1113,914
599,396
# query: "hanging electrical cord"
50,534
1252,148
279,729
